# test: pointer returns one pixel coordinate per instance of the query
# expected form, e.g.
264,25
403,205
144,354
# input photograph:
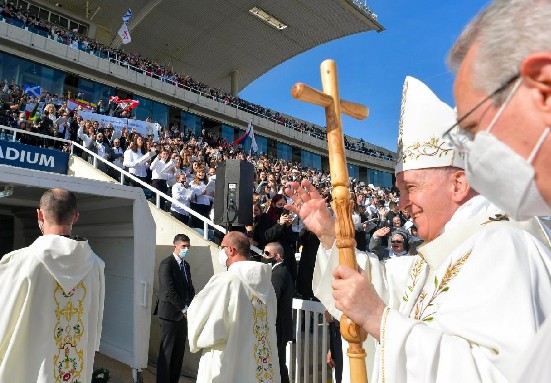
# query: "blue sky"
372,66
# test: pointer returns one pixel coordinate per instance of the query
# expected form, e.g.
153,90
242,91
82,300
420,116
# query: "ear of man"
536,72
75,218
461,191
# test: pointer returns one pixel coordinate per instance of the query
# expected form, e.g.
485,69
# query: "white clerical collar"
464,223
473,207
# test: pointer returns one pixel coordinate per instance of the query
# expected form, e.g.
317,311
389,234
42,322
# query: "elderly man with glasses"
465,307
503,94
502,90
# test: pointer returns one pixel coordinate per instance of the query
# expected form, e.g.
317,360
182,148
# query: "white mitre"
423,120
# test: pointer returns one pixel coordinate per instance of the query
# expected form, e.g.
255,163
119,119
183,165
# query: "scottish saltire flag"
32,90
127,16
124,34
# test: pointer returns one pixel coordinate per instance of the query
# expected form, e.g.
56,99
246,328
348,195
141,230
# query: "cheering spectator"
275,226
182,194
200,202
135,158
160,168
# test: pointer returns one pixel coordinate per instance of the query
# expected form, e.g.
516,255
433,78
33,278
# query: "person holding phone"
275,226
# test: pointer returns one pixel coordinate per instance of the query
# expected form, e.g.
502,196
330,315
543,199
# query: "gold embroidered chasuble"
232,320
462,310
50,322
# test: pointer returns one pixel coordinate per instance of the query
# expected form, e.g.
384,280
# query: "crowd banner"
143,127
32,157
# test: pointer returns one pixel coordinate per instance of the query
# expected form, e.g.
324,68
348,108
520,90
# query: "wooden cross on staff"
342,206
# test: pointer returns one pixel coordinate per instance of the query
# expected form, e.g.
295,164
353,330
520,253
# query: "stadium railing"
310,313
308,344
207,223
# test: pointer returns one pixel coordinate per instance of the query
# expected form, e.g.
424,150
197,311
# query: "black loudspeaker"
233,199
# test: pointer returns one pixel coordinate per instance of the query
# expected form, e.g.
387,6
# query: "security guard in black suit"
285,291
175,294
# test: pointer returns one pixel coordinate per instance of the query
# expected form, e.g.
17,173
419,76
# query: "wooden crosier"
342,206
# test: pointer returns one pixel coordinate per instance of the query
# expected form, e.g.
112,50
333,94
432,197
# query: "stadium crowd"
181,165
22,18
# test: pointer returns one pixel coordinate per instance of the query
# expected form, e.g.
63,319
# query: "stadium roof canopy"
208,39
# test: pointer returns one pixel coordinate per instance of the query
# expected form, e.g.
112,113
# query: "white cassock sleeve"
14,297
389,279
535,366
211,314
485,317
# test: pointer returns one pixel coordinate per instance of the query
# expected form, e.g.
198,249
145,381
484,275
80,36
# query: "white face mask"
511,185
222,257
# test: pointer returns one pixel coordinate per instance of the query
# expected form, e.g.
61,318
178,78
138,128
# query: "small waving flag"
32,90
127,16
127,104
124,34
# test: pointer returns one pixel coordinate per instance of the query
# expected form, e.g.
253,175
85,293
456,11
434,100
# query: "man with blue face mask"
503,96
175,294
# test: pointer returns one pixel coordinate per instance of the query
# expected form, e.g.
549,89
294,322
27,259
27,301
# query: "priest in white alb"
466,307
52,295
233,319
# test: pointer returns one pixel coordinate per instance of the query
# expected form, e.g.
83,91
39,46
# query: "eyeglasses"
396,241
461,139
266,253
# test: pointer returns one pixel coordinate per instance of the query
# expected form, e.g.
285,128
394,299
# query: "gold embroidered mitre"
423,120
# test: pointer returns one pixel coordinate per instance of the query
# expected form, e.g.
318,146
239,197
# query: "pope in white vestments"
52,295
466,307
232,320
470,301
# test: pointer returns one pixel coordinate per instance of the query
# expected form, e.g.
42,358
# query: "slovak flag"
254,146
124,34
248,133
127,16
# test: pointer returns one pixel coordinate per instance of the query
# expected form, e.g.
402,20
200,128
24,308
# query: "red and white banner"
127,104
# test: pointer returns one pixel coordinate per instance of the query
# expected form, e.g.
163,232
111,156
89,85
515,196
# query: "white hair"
507,31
